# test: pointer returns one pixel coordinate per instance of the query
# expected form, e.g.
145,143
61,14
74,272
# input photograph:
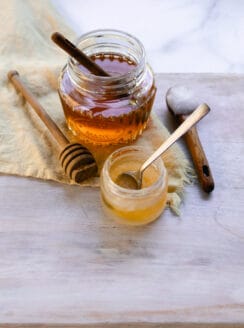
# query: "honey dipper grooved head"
77,162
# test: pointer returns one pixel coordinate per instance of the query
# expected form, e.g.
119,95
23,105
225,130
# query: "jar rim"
134,193
105,79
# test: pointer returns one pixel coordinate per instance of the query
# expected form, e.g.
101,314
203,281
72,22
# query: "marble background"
178,35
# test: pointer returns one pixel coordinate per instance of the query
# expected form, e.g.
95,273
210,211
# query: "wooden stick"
14,77
76,53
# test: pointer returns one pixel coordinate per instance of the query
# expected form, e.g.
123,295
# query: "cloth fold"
26,146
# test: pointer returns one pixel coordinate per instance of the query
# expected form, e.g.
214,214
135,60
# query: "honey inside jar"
108,110
133,207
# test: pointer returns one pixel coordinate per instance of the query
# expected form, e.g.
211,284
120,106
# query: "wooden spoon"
76,160
181,102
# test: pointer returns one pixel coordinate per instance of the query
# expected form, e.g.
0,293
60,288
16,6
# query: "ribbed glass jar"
114,109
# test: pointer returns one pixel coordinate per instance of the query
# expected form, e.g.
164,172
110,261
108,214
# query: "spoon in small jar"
133,179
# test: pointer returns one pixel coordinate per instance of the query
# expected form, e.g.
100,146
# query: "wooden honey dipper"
76,160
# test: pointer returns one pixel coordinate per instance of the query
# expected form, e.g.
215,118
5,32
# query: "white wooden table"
64,264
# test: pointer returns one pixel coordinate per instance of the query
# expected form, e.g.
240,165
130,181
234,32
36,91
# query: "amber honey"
108,110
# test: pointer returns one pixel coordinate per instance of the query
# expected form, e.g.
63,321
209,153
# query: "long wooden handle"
199,158
40,111
76,53
192,119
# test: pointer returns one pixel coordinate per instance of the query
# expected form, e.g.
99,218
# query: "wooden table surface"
64,264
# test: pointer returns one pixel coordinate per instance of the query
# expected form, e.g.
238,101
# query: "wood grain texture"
64,264
199,158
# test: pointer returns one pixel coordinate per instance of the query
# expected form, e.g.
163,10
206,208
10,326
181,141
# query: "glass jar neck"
136,153
107,42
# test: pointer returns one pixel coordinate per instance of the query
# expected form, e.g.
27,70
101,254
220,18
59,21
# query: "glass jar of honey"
133,206
105,110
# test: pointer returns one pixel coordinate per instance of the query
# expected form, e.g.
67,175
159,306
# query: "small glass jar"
130,206
114,109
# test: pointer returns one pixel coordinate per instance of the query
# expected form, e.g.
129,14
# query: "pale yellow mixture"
135,210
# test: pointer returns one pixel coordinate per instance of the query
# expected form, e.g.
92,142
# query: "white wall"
179,35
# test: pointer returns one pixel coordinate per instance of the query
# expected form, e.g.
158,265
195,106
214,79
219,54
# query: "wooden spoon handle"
76,53
199,158
40,111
